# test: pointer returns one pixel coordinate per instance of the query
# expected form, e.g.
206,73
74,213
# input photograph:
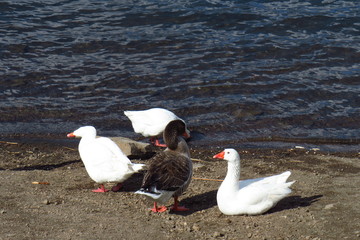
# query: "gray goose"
169,172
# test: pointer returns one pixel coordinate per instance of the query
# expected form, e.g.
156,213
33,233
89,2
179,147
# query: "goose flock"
168,174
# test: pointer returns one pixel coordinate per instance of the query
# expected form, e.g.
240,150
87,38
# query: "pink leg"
158,144
117,187
155,142
178,208
158,209
100,189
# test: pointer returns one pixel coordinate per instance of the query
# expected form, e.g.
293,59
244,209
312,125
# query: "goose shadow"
208,200
194,203
133,183
294,202
46,167
198,203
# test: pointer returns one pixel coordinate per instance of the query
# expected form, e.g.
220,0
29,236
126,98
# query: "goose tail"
138,167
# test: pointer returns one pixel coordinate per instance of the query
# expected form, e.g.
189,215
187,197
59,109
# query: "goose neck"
233,172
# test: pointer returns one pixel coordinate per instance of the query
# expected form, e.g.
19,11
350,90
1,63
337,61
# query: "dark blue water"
232,69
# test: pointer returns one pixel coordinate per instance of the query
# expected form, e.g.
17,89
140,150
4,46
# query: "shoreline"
331,146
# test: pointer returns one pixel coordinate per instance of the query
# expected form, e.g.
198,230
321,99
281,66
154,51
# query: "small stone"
133,148
2,211
249,235
197,165
329,206
196,227
46,202
218,234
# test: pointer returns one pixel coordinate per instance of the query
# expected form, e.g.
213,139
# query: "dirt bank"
324,203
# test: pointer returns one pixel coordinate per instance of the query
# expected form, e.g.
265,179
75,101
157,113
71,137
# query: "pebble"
196,227
218,234
329,206
46,202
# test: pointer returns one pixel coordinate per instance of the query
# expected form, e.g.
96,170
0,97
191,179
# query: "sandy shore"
324,203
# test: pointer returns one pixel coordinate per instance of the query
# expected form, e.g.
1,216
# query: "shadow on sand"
208,200
198,203
294,202
46,167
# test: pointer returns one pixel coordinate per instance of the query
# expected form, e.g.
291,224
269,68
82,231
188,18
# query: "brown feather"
167,171
170,170
172,131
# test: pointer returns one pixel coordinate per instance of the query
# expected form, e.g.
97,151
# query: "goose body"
103,159
169,172
152,122
253,196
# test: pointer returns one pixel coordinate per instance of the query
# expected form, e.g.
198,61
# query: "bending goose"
253,196
169,172
152,122
103,159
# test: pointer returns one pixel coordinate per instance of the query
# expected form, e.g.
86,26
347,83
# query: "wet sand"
324,203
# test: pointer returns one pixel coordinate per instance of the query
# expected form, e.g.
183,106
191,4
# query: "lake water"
249,70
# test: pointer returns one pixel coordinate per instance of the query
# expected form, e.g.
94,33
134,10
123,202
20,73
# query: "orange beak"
186,135
71,135
220,155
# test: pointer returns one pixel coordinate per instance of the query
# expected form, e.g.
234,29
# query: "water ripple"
230,68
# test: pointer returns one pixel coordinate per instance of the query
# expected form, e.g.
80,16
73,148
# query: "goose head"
229,154
173,130
87,131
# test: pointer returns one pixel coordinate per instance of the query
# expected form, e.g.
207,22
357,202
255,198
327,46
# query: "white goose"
152,122
253,196
103,159
169,172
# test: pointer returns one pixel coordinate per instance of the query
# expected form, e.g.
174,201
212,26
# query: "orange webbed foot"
100,189
158,209
179,209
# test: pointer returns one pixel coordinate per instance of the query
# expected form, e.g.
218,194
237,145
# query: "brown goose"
169,172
